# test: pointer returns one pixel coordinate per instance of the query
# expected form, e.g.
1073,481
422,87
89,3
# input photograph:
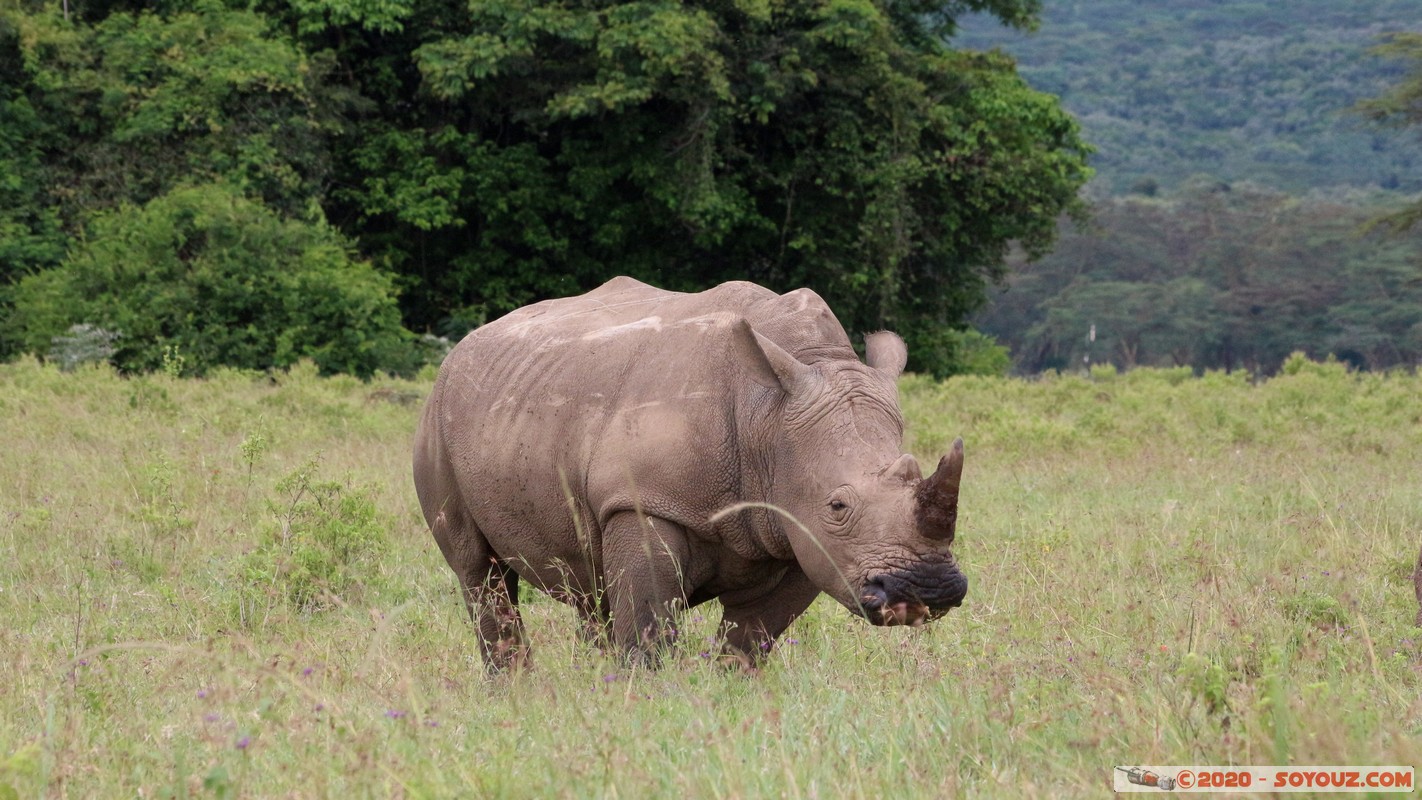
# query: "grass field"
223,588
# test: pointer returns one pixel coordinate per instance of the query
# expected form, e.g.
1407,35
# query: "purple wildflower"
306,673
393,714
609,678
243,742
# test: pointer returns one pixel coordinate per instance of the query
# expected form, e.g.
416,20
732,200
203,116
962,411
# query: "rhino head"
872,532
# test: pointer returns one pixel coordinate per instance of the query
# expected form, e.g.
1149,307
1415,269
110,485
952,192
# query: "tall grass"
1164,569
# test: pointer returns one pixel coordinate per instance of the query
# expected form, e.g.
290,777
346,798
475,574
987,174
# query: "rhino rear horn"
936,499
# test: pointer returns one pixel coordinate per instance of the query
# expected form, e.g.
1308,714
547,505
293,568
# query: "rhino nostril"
873,596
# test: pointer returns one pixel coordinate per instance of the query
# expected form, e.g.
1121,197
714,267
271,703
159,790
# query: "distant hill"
1242,91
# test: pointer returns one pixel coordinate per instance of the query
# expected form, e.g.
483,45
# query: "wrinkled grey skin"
618,450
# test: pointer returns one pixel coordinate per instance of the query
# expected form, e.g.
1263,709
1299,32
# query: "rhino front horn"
937,496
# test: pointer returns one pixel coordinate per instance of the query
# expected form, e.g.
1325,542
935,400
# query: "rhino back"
799,321
628,396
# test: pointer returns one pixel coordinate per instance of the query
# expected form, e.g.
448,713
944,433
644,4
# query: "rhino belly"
549,448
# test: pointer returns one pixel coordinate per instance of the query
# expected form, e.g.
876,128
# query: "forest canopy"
457,160
1216,276
1240,91
1245,155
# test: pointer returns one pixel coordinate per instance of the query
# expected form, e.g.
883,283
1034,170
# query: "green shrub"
202,277
1316,608
1104,373
321,543
1207,680
1298,363
22,768
942,351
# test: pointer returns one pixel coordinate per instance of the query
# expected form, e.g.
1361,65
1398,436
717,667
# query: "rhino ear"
886,352
936,499
768,364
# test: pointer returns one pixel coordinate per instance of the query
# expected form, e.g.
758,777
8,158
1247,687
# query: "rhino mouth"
911,598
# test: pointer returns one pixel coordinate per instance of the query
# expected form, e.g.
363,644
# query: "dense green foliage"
210,278
1163,569
1256,91
487,155
537,151
317,549
1216,277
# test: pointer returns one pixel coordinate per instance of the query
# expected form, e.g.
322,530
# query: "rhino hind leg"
489,586
491,595
643,558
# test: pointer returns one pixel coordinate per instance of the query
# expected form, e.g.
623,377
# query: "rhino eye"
837,506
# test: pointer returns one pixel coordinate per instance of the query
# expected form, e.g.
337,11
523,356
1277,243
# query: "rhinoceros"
634,451
1417,587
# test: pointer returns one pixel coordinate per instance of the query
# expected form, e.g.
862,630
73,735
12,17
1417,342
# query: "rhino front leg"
642,559
750,622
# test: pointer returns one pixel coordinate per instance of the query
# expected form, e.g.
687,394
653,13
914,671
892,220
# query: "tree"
1400,106
1217,277
30,231
517,150
135,103
491,154
1247,91
111,107
1134,322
